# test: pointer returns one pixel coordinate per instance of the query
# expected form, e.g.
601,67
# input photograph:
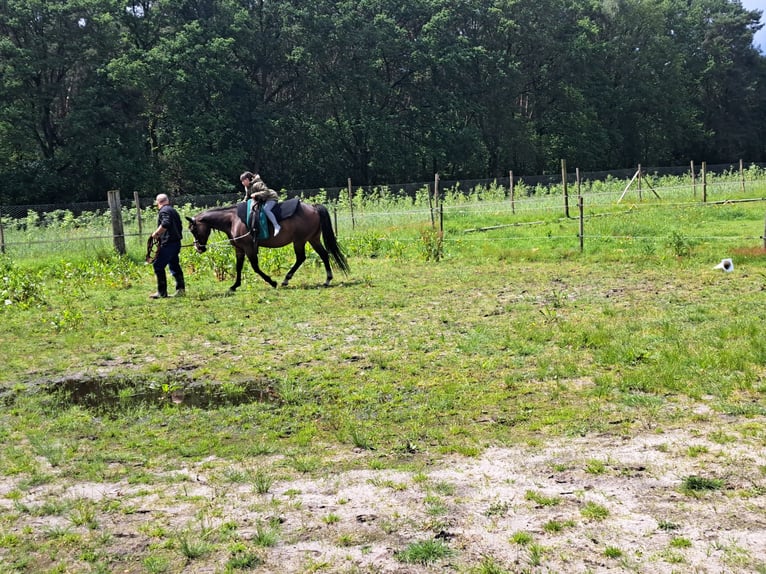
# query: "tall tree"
729,89
183,95
51,54
178,64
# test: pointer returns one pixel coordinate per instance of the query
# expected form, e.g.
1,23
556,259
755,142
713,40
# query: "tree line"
182,96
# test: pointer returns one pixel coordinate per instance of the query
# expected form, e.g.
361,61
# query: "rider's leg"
267,208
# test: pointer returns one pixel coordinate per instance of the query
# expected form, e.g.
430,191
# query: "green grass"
695,483
594,511
513,336
424,552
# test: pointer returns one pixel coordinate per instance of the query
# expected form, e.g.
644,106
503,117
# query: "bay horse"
309,224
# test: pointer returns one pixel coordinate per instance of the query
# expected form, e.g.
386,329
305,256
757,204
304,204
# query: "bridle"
200,247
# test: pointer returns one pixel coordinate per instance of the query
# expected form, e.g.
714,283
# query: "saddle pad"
286,208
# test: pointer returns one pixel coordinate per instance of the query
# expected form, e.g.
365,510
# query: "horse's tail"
329,239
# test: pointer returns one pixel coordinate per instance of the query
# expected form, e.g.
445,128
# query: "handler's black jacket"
171,221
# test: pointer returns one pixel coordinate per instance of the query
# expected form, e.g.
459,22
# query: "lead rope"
218,242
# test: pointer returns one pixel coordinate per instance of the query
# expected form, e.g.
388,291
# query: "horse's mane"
222,207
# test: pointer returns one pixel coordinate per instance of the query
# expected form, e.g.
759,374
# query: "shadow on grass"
115,394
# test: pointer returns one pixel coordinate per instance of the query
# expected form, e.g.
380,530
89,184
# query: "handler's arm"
164,224
158,232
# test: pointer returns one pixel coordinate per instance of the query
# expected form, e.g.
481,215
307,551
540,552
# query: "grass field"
498,402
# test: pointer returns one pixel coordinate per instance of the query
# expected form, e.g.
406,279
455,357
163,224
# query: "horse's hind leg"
300,257
322,252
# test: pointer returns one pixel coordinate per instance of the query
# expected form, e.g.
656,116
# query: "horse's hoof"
285,283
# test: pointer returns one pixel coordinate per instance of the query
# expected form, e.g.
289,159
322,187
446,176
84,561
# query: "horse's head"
201,232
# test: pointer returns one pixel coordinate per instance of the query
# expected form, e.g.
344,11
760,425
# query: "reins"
217,242
197,244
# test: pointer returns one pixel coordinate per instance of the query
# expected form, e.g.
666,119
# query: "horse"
309,224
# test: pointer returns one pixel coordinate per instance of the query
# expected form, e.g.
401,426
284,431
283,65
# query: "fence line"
531,183
457,197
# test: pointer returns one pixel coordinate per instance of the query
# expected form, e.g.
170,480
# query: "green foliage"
680,542
220,259
17,286
594,511
680,244
522,538
668,525
364,245
424,552
241,557
540,499
324,92
262,482
194,546
696,483
432,244
265,536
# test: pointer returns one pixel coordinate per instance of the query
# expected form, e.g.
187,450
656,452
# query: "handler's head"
161,199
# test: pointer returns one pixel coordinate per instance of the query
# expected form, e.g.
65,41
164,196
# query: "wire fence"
522,201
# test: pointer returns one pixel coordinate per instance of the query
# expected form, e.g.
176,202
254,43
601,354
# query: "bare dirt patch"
590,504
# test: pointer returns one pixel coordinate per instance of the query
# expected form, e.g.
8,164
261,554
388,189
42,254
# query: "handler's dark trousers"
168,256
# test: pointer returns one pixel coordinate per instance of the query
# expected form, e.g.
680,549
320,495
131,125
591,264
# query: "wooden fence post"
580,209
742,175
704,182
441,215
335,217
582,222
435,201
513,198
564,183
117,230
694,178
137,201
351,204
431,206
2,234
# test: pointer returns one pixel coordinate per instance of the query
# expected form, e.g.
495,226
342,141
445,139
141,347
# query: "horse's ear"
191,220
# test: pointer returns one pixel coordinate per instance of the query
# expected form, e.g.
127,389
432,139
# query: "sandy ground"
519,509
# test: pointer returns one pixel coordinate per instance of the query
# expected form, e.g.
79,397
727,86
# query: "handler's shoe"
277,229
179,293
158,295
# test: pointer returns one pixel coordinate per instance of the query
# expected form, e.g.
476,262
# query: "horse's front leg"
240,264
253,257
